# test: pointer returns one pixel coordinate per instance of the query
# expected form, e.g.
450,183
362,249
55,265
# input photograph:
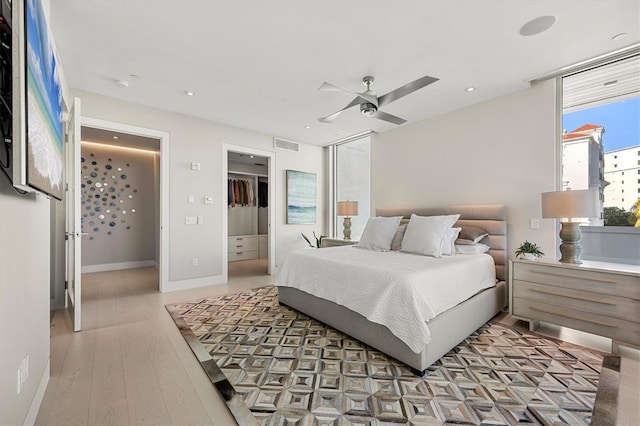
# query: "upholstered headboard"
492,218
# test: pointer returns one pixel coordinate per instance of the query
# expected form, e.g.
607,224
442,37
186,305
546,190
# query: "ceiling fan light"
368,109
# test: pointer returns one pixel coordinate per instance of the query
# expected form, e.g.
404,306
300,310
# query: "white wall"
498,152
197,140
24,298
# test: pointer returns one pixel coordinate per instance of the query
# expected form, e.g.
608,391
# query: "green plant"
318,240
531,248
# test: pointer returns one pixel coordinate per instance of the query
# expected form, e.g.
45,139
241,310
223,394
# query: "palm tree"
635,214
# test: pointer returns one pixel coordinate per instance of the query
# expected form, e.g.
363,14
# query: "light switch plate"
195,166
208,200
535,224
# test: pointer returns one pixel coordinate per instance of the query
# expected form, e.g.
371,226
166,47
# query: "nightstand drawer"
578,279
580,300
614,328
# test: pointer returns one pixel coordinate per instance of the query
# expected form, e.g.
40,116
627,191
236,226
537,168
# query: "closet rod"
246,174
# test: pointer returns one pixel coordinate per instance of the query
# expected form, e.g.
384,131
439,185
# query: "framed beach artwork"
301,197
45,155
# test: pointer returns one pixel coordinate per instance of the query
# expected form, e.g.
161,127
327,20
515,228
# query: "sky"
621,121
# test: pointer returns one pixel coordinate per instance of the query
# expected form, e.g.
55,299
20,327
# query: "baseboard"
118,266
39,396
193,283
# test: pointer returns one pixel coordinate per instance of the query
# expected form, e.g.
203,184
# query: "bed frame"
447,329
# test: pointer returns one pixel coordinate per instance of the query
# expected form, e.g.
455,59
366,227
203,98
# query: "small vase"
529,256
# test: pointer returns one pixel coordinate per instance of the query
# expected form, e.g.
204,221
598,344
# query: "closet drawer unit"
243,243
597,281
242,255
585,301
263,246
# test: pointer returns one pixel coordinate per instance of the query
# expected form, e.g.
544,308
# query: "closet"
247,204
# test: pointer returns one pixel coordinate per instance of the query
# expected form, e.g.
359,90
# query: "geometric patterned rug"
276,366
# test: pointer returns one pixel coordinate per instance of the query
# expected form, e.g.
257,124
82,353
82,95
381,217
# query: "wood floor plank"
71,405
108,401
144,399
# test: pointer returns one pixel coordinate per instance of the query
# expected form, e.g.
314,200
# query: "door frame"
271,238
96,123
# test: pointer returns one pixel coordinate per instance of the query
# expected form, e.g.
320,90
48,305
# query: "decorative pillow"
396,243
378,233
448,242
471,235
424,234
477,248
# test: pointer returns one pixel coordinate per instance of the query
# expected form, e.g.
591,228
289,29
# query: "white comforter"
398,290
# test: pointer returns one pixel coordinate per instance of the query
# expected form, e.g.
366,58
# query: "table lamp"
347,209
567,205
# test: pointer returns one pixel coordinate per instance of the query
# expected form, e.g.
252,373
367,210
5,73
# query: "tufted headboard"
492,218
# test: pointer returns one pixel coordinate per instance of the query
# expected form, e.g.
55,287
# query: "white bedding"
401,291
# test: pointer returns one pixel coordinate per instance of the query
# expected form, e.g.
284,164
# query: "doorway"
124,190
248,210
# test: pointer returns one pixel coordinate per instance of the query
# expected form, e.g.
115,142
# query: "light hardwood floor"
130,365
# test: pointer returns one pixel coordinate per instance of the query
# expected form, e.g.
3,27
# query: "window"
601,136
352,182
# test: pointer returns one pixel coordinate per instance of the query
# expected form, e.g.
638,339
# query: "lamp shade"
568,204
347,208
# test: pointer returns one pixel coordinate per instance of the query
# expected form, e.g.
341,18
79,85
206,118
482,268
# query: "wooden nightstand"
596,297
333,242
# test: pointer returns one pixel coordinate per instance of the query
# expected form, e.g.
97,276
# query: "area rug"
276,366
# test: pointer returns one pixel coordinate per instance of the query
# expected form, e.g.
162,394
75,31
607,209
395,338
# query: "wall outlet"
195,166
191,198
194,261
200,220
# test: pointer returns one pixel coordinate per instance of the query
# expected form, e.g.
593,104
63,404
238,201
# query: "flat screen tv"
38,148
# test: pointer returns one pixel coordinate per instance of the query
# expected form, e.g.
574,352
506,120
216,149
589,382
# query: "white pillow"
471,248
448,242
378,233
424,234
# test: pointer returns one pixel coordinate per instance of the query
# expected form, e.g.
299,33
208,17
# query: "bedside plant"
529,251
318,240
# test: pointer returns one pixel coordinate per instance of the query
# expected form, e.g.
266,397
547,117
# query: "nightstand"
334,242
596,297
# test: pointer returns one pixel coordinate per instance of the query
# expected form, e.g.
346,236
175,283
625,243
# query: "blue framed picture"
301,198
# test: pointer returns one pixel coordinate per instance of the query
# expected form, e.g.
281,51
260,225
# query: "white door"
73,233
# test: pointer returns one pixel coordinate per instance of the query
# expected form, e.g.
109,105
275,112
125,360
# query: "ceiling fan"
370,102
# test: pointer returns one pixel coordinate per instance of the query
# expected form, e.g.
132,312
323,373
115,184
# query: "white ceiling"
258,64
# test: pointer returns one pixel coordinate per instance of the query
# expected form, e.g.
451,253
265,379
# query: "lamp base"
347,228
570,248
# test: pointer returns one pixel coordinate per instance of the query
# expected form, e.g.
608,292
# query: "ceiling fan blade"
405,90
330,87
332,117
388,117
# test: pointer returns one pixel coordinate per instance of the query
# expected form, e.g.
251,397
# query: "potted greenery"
529,251
318,240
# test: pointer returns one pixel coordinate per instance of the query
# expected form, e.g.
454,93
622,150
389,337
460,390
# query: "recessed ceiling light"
134,76
619,36
189,93
307,127
115,138
610,83
470,89
122,83
251,156
538,25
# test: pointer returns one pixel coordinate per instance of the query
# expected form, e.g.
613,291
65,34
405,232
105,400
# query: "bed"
448,328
